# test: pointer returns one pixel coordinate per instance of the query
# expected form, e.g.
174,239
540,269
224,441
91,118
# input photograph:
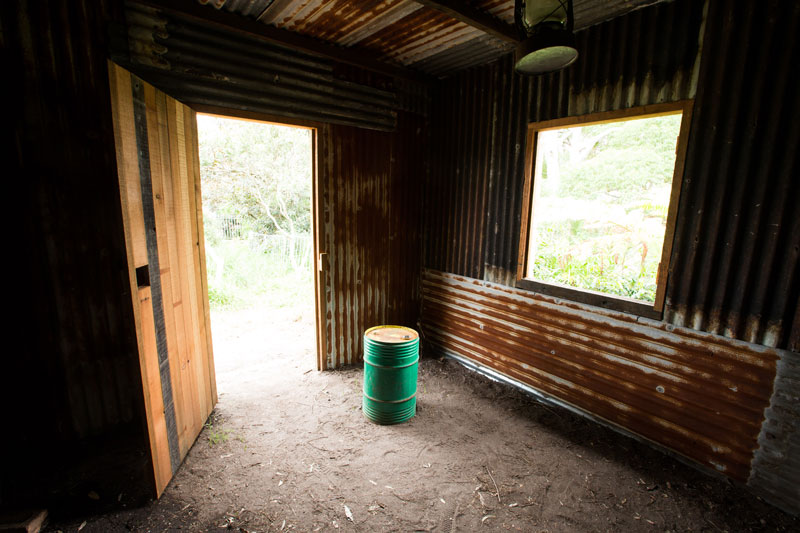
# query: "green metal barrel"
391,358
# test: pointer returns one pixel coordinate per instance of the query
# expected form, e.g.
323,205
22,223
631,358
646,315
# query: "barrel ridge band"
389,401
415,361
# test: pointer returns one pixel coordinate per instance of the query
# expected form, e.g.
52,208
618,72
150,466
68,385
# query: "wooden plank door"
159,175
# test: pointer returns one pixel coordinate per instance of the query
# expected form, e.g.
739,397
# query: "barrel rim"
414,339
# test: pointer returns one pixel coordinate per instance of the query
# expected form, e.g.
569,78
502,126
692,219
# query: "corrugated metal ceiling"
406,32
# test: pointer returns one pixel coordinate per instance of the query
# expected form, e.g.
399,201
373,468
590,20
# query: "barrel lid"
391,334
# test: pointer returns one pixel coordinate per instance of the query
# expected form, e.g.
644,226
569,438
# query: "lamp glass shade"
546,60
546,52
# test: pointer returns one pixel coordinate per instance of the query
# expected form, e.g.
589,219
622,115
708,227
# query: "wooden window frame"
618,303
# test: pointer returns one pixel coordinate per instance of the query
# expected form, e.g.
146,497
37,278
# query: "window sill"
598,299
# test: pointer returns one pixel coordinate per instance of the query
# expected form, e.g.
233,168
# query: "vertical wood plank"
185,400
183,241
161,175
130,188
202,278
159,447
674,200
187,197
140,91
192,172
524,233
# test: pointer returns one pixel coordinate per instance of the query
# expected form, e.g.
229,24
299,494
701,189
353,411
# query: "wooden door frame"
320,255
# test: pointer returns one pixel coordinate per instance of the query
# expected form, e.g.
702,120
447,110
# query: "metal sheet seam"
581,327
670,370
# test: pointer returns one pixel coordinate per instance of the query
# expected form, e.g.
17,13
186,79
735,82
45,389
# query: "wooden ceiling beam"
239,24
463,12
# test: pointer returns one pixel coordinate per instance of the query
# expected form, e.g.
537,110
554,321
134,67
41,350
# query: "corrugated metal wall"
371,184
734,270
699,394
735,264
201,64
75,396
480,121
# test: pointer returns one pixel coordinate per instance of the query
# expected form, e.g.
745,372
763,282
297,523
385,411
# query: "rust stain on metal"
734,266
214,67
501,9
699,394
369,184
424,29
379,21
403,31
734,269
331,21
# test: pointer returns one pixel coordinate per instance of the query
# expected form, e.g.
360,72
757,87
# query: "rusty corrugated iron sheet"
248,8
403,31
335,20
410,96
419,35
481,50
734,269
480,119
370,183
591,12
736,263
200,64
400,31
648,56
698,394
501,9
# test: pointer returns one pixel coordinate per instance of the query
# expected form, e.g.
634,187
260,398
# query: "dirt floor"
287,448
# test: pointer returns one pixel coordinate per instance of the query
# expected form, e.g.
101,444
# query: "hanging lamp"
549,41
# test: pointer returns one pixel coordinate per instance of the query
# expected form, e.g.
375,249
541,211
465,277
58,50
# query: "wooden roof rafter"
464,12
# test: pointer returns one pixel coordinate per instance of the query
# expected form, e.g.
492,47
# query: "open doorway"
257,187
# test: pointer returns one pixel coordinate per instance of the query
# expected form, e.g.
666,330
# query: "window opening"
601,195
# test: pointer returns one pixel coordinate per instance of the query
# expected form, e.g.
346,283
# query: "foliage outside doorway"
256,180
